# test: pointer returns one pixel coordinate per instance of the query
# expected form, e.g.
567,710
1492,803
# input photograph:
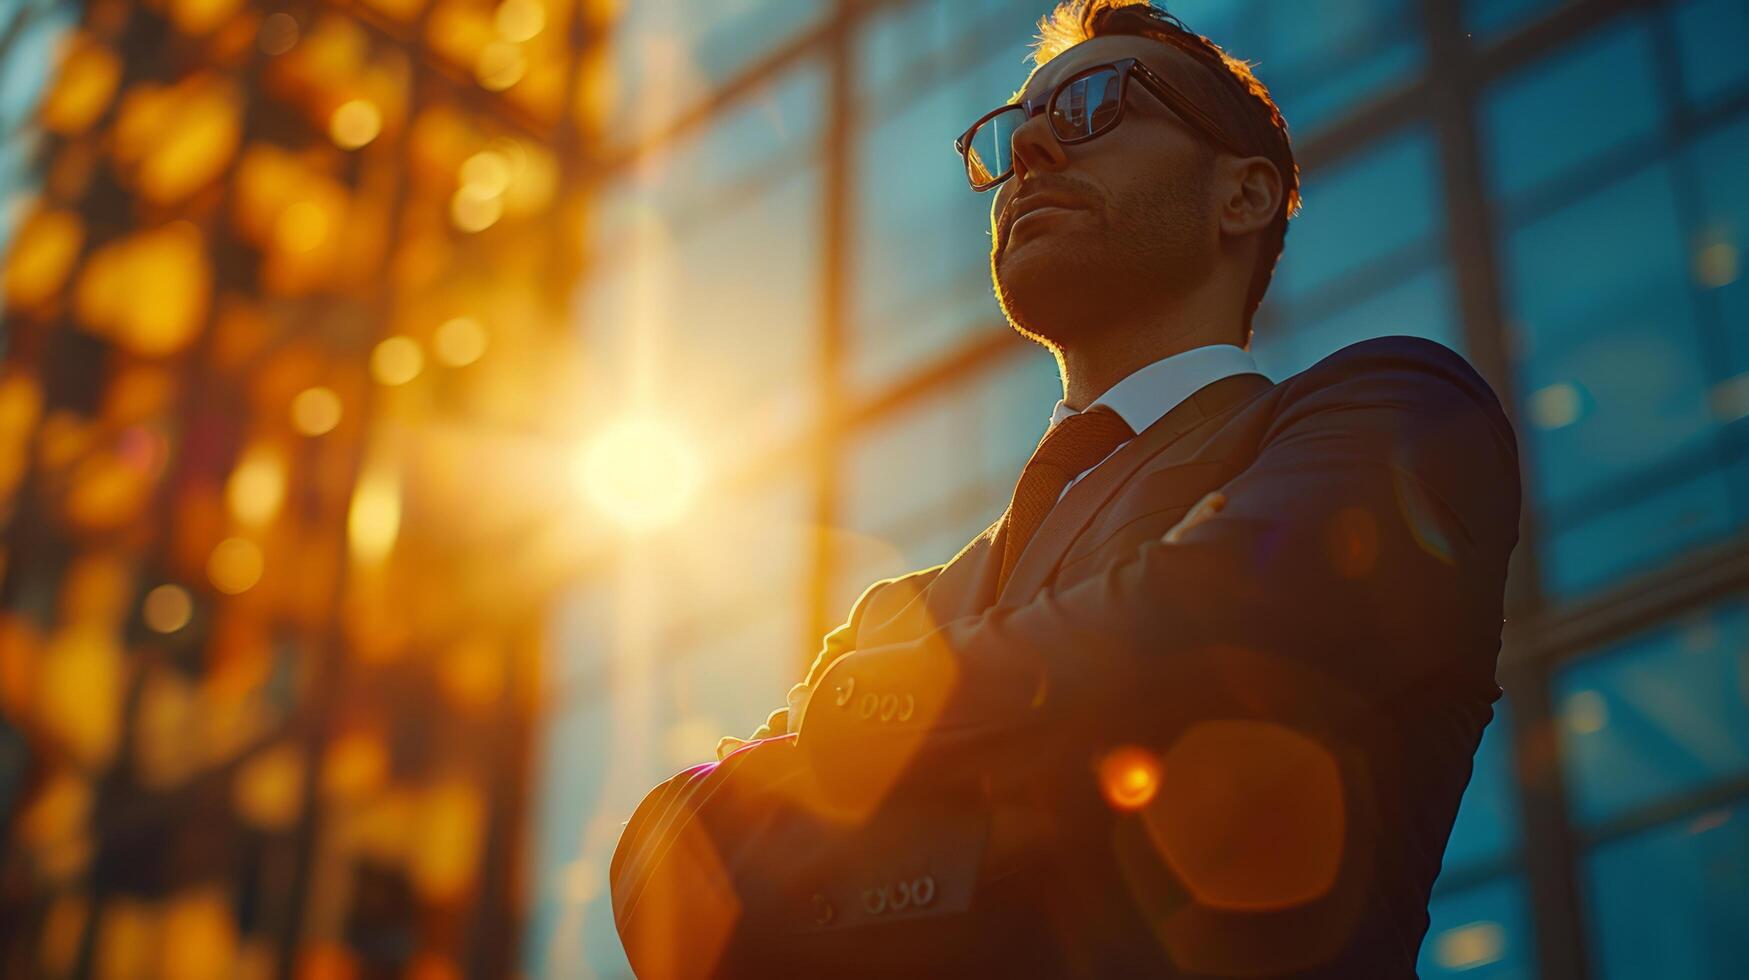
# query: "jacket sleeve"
1362,553
876,600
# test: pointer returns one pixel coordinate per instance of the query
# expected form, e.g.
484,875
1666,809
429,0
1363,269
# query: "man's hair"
1229,92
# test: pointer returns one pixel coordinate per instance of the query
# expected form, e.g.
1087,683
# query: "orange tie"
1067,450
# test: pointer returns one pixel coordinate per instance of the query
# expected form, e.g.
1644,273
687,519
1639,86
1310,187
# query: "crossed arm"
1363,551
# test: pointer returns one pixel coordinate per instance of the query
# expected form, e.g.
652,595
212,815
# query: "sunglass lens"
990,152
1086,105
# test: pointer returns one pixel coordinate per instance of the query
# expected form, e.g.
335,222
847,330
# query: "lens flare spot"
1354,542
642,473
1129,777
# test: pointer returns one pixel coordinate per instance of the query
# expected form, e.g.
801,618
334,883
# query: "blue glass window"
1711,36
1486,830
1671,902
1480,933
1364,209
1320,58
1489,18
1612,377
693,293
1420,306
921,282
668,57
1659,715
1637,536
920,485
1549,119
1720,243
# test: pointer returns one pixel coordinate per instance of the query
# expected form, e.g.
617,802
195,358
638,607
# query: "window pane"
1671,902
1611,368
1638,536
1711,36
1364,209
1422,306
1480,933
922,249
1490,18
1320,58
721,311
669,55
1659,715
1720,248
1487,821
1548,119
918,486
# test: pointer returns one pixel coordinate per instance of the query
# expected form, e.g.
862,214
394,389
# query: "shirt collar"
1148,393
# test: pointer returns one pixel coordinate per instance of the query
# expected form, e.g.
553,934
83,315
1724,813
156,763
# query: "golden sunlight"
641,472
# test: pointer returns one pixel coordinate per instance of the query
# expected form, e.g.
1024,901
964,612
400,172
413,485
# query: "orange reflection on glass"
235,565
355,763
451,822
177,139
148,291
83,87
501,64
199,939
197,17
268,789
79,692
257,485
520,20
373,521
1129,777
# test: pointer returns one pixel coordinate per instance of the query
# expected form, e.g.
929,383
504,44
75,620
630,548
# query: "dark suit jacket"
1237,754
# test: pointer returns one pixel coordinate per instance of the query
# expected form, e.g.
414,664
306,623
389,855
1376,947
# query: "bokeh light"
459,341
355,123
235,565
315,411
167,608
396,360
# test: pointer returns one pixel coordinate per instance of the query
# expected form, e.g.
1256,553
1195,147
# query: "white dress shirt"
1148,393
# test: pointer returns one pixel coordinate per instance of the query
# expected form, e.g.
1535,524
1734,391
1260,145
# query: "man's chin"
1046,295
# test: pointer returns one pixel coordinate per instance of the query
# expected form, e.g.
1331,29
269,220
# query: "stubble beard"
1151,245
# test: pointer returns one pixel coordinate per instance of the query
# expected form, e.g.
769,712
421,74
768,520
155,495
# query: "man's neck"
1094,364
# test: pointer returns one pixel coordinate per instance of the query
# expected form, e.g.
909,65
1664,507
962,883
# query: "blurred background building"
427,424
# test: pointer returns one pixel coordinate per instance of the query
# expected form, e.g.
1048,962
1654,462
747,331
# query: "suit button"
823,910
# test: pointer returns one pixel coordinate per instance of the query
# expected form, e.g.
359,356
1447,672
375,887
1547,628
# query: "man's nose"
1034,146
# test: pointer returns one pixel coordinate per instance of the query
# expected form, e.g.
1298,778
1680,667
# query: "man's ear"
1251,189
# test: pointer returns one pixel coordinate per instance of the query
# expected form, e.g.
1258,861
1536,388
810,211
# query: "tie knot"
1081,440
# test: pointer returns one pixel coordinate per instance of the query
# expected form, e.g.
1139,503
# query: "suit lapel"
964,587
1065,522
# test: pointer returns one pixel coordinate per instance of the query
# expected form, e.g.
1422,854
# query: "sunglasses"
1084,106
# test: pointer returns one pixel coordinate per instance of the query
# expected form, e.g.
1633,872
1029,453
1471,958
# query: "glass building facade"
1555,189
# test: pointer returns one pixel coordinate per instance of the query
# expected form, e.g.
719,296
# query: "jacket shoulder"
1400,366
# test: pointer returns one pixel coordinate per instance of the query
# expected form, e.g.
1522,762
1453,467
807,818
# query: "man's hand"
781,721
1207,507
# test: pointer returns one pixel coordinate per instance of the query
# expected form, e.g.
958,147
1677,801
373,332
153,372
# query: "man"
1219,671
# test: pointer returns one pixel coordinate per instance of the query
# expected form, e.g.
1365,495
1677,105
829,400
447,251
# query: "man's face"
1131,221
